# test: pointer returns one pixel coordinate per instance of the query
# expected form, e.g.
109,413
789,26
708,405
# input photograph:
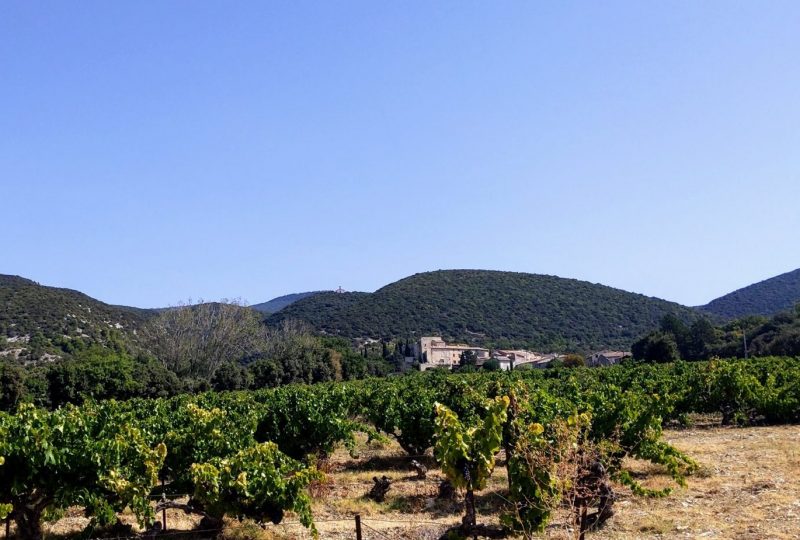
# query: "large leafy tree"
194,340
12,385
656,347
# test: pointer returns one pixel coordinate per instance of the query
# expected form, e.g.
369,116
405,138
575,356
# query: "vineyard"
564,437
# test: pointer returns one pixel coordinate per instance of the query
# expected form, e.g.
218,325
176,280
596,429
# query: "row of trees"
186,350
226,345
702,340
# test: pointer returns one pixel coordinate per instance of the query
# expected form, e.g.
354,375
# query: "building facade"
606,358
434,352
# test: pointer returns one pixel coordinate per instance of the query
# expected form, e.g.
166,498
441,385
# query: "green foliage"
777,336
193,340
466,453
109,456
198,432
541,468
12,385
259,482
100,373
102,377
291,354
92,457
47,314
242,453
308,421
501,309
403,409
573,360
468,358
97,372
232,376
766,298
656,347
491,365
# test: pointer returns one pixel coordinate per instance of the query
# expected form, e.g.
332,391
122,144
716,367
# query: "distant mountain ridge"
28,309
475,306
765,298
484,306
277,304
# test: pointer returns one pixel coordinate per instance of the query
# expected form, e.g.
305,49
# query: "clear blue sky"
156,151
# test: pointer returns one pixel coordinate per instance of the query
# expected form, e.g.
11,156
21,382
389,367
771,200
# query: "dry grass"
748,488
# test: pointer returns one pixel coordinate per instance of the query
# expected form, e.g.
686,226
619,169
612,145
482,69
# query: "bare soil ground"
748,488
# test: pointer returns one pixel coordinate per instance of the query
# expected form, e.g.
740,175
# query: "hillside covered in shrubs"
766,298
490,308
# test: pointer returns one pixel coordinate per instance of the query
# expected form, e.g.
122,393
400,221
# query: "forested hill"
30,309
767,297
492,308
277,304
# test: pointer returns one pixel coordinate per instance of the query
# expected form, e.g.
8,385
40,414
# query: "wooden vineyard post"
163,507
164,516
358,527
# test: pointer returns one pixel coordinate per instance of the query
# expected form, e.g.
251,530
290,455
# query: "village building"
434,352
509,359
606,358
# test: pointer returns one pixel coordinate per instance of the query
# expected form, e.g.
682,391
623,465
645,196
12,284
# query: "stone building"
434,352
606,358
